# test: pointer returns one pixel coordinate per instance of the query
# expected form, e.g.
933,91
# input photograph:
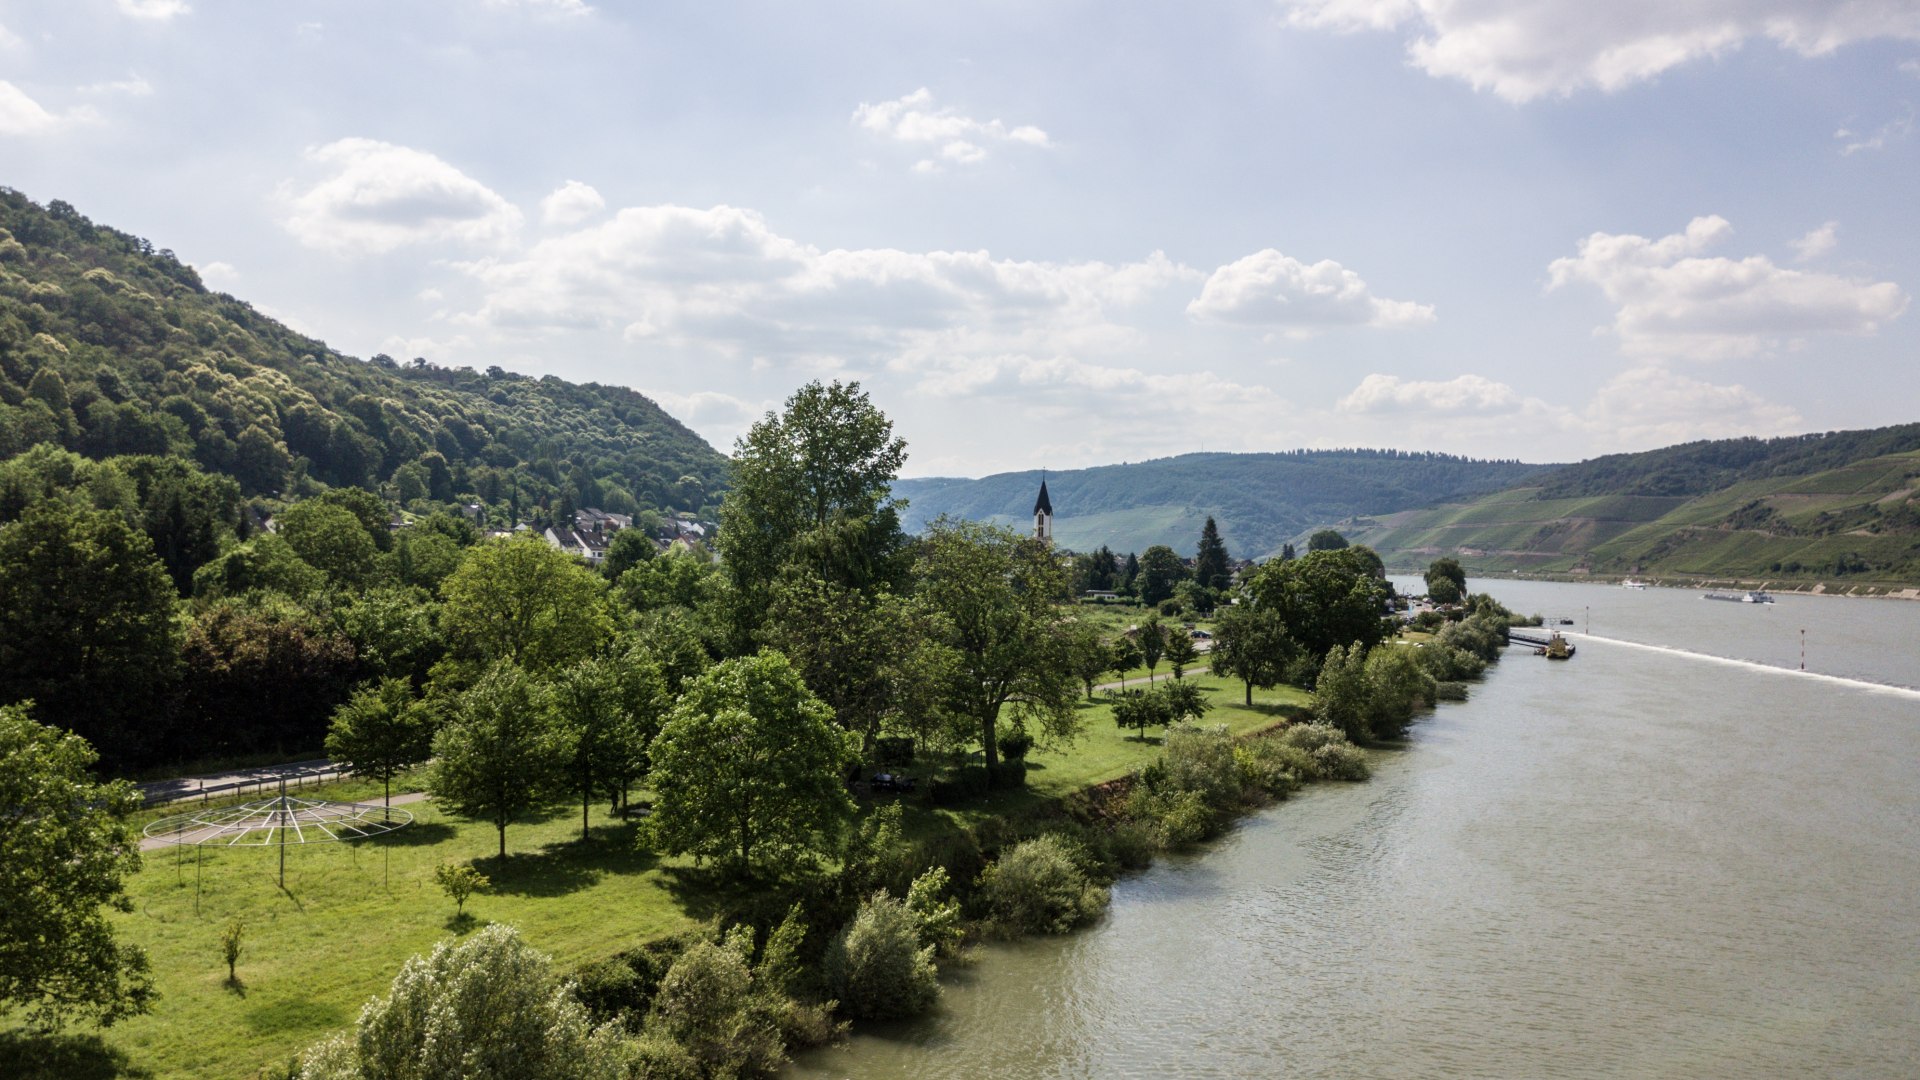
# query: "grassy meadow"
351,914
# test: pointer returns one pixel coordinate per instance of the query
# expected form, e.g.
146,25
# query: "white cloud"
1673,300
1818,242
1525,49
1471,394
1651,406
571,203
156,10
21,115
1852,142
1911,67
1644,407
723,278
8,39
914,119
1268,288
380,196
720,417
132,86
219,275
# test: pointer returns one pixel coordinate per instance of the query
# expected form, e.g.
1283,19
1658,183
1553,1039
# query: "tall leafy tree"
260,673
1446,581
1180,651
610,709
330,539
858,651
522,601
748,768
380,732
1088,654
1152,639
1325,540
66,847
1212,567
812,486
998,593
86,623
1325,598
1252,644
1160,570
500,755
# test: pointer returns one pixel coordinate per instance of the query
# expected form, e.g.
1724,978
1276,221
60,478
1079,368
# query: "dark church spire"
1043,504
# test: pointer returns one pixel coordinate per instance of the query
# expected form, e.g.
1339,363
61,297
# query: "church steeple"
1043,515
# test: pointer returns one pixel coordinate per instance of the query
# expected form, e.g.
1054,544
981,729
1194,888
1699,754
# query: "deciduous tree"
86,623
748,768
380,732
1252,645
525,602
66,848
997,594
500,754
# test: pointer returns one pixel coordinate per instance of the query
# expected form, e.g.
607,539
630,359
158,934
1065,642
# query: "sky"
1047,233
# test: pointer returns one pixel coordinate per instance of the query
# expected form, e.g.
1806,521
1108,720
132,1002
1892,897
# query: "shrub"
1340,696
705,1006
1200,760
1185,818
936,917
1264,765
459,881
1396,687
1132,844
1015,744
488,1007
1037,887
1009,775
1450,691
878,968
1334,758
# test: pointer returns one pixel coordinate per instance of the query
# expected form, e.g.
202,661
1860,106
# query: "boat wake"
1859,684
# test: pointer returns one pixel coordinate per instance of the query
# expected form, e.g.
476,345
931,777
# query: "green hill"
1260,501
109,346
1834,506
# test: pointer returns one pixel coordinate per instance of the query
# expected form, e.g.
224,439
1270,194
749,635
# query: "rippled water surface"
1637,863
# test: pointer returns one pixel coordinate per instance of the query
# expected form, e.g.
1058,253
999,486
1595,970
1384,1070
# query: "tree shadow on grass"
418,834
1293,714
26,1055
568,866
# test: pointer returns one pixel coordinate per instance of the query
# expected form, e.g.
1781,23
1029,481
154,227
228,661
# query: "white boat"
1632,584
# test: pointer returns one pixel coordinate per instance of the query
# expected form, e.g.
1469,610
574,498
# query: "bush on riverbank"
1331,756
1039,887
877,968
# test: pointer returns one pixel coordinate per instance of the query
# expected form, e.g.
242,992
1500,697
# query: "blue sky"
1043,234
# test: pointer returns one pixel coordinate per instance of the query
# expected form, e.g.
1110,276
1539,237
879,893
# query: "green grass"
351,915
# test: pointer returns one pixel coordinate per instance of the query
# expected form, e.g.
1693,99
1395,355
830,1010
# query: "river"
1642,862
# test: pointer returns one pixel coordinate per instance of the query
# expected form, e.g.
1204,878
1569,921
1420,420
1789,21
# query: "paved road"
234,781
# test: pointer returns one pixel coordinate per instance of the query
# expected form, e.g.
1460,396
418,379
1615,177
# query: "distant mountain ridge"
1828,506
1261,501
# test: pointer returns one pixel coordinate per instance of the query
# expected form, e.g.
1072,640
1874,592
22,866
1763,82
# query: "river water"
1671,856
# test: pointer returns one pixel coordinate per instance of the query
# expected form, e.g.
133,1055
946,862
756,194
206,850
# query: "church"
1043,516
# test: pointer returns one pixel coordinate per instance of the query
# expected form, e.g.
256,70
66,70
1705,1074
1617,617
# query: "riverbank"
352,914
1867,590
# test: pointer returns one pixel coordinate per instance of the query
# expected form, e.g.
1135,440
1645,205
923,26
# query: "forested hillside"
149,429
1835,507
108,346
1261,501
